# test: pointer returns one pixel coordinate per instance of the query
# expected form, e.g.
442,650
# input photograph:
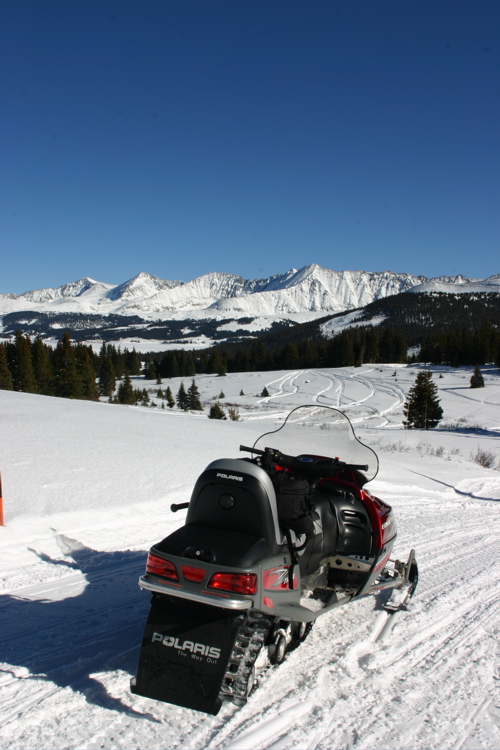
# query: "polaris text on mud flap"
187,646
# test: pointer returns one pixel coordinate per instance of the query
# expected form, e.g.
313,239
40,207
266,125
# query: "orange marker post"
2,521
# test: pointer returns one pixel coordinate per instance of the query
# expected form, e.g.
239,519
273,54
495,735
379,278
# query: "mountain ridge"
215,306
310,289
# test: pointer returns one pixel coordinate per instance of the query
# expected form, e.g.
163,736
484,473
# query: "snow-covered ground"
87,489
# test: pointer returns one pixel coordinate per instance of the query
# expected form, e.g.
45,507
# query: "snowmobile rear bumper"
212,600
185,652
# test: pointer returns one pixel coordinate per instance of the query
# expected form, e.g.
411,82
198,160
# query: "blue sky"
184,136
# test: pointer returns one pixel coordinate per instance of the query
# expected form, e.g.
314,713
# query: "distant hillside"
458,328
418,315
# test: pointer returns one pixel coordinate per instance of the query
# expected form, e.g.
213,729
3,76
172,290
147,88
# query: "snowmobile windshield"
320,431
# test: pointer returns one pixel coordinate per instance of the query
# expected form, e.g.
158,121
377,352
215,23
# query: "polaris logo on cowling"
229,476
193,648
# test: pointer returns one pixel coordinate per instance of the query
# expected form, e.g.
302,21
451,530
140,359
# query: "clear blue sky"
247,136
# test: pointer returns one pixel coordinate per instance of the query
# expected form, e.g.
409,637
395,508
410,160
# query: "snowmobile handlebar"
304,464
178,506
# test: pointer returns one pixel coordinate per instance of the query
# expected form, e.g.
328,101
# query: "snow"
351,320
87,489
478,286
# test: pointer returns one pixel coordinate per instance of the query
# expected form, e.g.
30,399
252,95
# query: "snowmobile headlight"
237,583
157,566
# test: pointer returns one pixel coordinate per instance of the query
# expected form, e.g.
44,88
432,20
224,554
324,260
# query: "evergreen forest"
70,370
73,370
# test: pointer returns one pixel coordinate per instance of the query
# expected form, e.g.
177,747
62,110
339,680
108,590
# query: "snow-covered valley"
87,489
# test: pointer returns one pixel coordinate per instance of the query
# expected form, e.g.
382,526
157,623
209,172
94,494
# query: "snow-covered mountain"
311,289
213,307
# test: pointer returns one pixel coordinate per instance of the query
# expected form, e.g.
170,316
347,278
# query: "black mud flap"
185,652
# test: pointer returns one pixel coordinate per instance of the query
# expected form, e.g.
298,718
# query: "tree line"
462,346
68,370
350,348
73,370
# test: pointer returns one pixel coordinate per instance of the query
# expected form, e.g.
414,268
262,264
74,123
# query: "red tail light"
237,583
157,566
193,574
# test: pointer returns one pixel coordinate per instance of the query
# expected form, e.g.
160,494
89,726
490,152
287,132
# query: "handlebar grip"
258,451
178,506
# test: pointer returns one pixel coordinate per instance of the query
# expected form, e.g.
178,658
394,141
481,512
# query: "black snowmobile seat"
235,495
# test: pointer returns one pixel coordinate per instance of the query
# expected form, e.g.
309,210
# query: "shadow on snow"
66,640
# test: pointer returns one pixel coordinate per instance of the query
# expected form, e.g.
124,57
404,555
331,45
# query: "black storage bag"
293,501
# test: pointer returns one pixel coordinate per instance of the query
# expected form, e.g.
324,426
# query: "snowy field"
87,489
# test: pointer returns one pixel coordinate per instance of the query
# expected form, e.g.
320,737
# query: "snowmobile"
271,542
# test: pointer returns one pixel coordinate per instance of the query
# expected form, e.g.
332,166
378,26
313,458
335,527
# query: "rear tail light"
193,574
157,566
237,583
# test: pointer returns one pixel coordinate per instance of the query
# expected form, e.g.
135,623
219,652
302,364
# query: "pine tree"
346,346
66,381
422,409
193,397
182,398
170,398
23,375
372,347
307,354
265,393
132,362
217,364
186,364
169,366
5,376
477,380
86,373
216,412
142,396
149,369
107,379
42,366
118,359
288,357
126,393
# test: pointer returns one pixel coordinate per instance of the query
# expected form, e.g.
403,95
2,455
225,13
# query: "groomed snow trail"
72,615
434,682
